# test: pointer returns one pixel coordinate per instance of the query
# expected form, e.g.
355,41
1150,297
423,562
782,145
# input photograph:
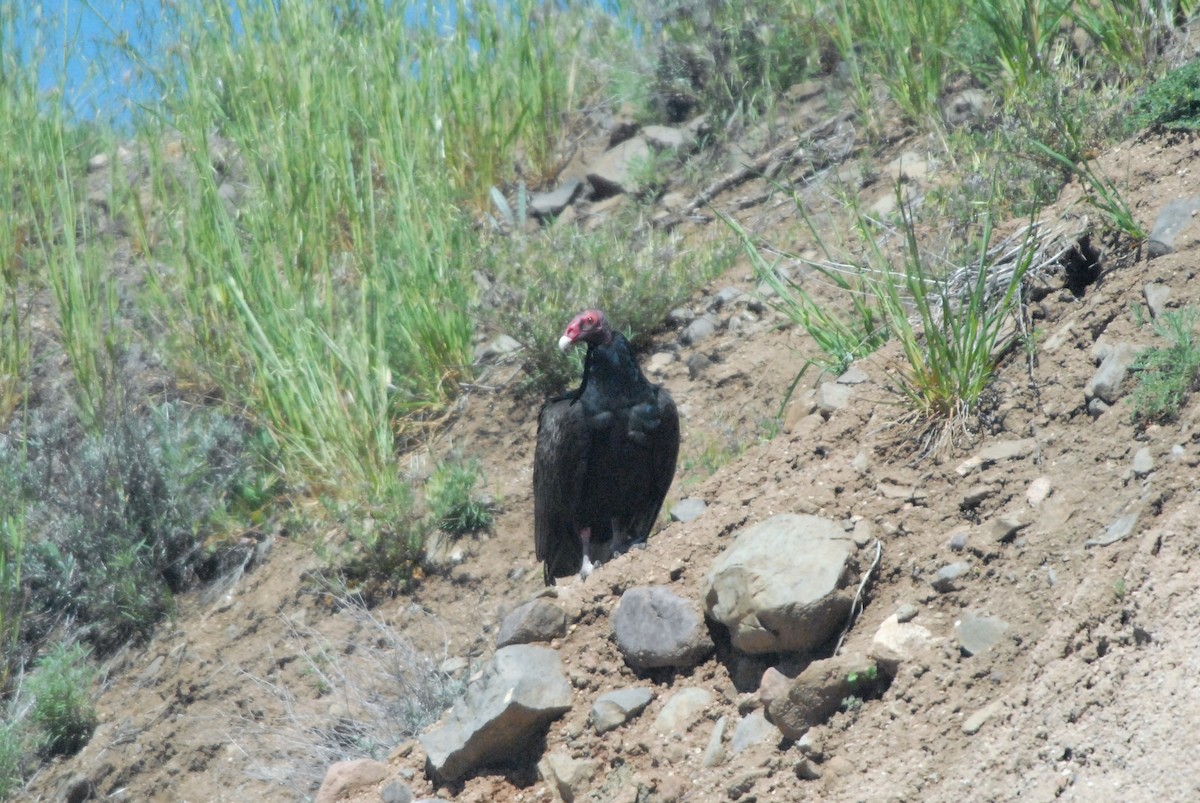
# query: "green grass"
1172,102
62,713
454,505
1167,376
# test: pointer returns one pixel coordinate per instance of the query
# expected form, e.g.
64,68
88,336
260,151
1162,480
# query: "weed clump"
1166,376
454,505
1172,102
62,710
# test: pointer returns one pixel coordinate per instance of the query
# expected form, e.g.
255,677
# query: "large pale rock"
898,642
612,174
347,777
568,776
656,628
516,696
615,708
817,692
536,620
685,707
781,586
1106,383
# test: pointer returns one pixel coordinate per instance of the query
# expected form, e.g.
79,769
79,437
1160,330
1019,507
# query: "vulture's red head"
589,326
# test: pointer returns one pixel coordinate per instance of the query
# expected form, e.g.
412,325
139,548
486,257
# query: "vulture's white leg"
585,538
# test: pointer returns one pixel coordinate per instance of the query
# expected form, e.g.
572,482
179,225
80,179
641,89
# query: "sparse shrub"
1166,376
123,515
62,710
1172,102
453,504
12,750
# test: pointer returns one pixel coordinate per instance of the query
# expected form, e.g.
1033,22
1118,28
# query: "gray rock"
1005,528
396,792
832,397
703,327
751,730
781,585
550,204
680,316
1106,383
1000,451
536,620
817,692
655,628
958,541
1097,408
976,632
659,361
724,297
1119,529
78,788
853,376
520,691
976,495
1143,462
688,509
898,641
667,138
973,723
612,173
497,347
697,364
714,753
906,613
615,708
968,107
1157,295
1037,491
1172,219
565,774
683,709
346,777
947,576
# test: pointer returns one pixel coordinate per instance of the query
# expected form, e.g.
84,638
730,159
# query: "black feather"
605,459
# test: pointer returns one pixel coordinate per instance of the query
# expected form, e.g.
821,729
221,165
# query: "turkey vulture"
605,455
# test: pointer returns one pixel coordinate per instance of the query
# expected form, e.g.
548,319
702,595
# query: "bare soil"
1091,694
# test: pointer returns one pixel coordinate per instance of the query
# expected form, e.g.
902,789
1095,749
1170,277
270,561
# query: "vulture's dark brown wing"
654,431
559,469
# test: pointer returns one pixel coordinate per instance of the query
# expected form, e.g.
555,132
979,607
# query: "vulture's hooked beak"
565,343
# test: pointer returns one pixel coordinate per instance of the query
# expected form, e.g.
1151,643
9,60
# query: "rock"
976,632
659,361
906,613
519,692
680,316
958,542
1097,408
494,349
536,620
347,777
98,162
773,684
753,729
724,297
968,107
396,792
1157,295
565,774
947,576
697,364
700,329
832,397
615,708
688,509
907,166
714,753
1004,528
898,641
743,782
1143,462
817,692
1172,219
892,490
1119,529
612,173
669,138
1038,491
973,723
976,495
550,204
1000,451
682,710
781,585
1106,383
853,376
655,627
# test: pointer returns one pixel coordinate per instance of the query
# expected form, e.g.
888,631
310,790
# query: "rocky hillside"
1018,611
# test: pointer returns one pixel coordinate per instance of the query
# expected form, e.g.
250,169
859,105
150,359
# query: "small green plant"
1172,102
62,711
1166,376
1119,589
851,703
864,678
454,505
1100,190
12,751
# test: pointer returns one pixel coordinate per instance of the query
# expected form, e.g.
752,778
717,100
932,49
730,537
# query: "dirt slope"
1089,696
